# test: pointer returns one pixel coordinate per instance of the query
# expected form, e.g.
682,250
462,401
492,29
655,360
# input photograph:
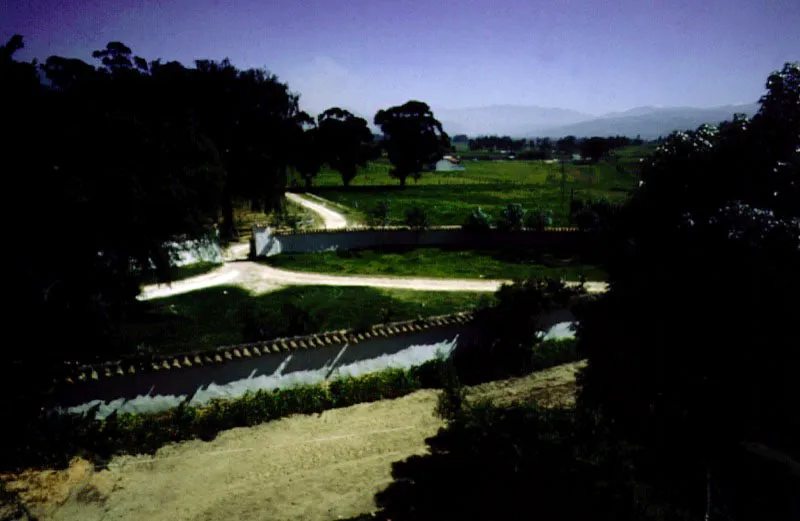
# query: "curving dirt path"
331,219
260,278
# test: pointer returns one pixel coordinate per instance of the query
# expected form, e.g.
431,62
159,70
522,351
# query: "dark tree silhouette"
693,351
108,166
414,138
308,155
253,122
346,142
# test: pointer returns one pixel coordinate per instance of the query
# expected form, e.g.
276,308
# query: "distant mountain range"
509,120
533,121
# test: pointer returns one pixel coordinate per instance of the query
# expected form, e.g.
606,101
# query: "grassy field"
449,197
230,315
433,262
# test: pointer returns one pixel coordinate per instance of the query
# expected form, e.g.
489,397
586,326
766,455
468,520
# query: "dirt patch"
313,467
48,490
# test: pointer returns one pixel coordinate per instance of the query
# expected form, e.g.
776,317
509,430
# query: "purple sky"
594,56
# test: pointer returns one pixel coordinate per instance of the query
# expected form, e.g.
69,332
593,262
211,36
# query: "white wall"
192,252
268,244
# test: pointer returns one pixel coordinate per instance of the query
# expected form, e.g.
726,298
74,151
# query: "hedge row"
54,439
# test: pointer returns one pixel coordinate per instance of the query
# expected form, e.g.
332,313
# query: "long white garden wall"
155,385
266,242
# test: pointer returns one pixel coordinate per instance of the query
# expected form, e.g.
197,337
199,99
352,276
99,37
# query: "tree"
595,148
254,122
414,138
673,345
346,142
567,146
106,170
307,158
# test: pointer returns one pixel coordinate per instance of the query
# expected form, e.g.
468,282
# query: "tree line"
592,148
108,164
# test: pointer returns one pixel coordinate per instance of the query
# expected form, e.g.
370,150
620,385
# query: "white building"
449,164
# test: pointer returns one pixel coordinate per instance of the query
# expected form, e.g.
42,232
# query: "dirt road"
260,278
312,468
331,219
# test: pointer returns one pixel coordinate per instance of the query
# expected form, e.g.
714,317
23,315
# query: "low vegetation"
182,272
57,438
227,315
436,262
448,197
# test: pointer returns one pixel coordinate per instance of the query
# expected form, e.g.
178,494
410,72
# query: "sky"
593,56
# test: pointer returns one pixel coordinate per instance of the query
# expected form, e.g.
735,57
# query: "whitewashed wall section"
230,372
232,377
267,243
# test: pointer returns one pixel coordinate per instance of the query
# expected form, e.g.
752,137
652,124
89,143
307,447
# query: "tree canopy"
346,142
694,343
110,165
414,138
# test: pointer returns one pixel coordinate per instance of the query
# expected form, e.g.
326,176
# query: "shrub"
391,383
478,221
538,219
379,216
596,216
550,353
450,404
417,218
511,217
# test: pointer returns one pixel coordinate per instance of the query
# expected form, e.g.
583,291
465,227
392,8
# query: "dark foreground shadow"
526,462
512,463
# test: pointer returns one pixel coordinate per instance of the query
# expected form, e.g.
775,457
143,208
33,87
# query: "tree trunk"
228,230
308,183
402,180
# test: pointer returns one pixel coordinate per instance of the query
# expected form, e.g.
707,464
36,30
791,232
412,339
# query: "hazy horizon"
590,57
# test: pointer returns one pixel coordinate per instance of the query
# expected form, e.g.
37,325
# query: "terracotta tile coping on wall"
224,354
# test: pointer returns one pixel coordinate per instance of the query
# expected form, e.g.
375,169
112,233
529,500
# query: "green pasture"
227,315
436,262
448,197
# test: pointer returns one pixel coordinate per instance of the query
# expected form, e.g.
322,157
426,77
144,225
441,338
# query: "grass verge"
230,315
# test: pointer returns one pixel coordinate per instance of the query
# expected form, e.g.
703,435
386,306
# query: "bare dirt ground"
312,468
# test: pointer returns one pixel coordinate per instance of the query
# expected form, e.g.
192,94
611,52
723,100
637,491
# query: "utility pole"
563,183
